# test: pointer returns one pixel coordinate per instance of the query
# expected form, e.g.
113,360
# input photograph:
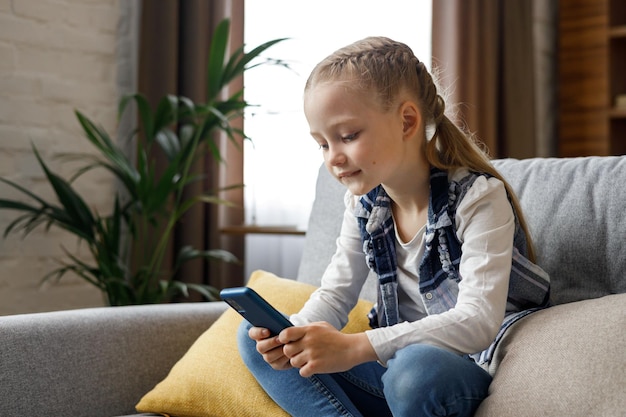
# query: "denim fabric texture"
420,380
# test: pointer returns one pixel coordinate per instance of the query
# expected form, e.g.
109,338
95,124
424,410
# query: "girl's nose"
336,156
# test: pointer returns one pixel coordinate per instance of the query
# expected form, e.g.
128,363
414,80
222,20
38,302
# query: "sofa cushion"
563,360
212,380
575,210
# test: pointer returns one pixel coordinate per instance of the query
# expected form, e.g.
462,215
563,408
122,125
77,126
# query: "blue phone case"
255,309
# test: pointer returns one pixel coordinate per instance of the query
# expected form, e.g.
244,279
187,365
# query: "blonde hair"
389,69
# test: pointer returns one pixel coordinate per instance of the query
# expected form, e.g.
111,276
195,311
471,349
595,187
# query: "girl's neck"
409,221
411,189
410,196
410,209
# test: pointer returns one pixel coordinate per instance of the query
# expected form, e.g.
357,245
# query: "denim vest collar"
438,276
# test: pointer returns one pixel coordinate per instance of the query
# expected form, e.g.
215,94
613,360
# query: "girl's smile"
343,175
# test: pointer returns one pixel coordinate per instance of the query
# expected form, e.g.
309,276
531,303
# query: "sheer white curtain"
281,161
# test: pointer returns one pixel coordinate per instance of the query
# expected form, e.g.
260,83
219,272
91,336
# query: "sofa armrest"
93,362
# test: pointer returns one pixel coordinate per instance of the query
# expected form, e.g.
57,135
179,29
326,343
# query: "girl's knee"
242,332
247,346
424,380
431,363
411,370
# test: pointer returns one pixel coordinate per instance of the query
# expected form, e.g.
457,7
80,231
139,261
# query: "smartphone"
255,309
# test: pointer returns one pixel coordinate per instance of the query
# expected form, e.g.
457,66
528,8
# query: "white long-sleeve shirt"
485,227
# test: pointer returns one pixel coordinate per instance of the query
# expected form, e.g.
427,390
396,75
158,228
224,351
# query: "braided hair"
390,70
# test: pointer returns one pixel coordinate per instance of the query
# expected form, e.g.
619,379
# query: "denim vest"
529,285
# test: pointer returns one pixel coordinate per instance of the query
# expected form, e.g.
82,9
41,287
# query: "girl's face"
362,144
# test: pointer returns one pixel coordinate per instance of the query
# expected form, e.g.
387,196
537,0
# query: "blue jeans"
420,380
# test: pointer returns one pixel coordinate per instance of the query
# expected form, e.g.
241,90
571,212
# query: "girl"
442,230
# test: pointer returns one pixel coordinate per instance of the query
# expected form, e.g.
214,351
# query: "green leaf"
169,142
186,108
166,113
145,113
83,270
16,205
238,63
24,191
97,136
117,163
186,134
26,222
209,292
217,53
173,288
75,206
188,253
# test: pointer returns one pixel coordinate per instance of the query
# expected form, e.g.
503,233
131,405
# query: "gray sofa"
569,360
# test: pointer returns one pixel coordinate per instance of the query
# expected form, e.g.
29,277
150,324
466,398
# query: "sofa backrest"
322,231
575,208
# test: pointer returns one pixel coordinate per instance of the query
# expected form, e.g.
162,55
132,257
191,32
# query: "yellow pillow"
212,380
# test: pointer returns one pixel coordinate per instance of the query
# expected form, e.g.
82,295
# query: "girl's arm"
343,279
314,344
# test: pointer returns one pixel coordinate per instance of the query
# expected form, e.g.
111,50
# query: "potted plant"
183,131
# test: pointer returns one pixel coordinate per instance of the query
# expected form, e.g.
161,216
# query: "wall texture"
56,56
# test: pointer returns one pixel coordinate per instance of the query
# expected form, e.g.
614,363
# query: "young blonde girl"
442,230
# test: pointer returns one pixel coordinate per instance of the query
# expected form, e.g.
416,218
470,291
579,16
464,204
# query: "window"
282,160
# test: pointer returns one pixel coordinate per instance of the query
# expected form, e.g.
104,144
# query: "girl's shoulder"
457,174
463,175
471,187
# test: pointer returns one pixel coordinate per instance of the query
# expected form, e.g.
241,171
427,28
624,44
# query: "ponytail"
451,148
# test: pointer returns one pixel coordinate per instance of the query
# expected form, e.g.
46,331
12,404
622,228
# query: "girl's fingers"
258,333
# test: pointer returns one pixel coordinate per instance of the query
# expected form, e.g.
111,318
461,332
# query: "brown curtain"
174,44
496,61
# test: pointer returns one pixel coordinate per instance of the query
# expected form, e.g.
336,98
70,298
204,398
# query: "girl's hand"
270,348
319,348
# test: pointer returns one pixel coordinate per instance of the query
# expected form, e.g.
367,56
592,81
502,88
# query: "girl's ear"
411,118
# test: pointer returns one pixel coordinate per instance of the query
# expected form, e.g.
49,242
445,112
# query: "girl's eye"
323,146
350,137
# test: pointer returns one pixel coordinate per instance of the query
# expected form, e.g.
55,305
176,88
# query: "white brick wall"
55,56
